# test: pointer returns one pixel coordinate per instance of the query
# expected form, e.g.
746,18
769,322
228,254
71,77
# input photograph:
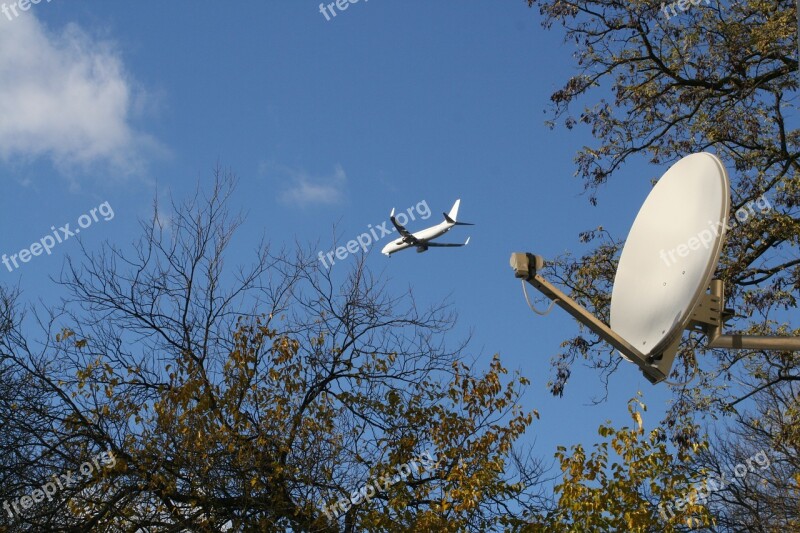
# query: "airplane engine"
421,249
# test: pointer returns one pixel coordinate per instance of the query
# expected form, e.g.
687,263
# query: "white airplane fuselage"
423,236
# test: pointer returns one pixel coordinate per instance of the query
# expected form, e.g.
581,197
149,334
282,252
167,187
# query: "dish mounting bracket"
709,317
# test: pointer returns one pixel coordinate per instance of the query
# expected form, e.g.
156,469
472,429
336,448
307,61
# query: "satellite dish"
671,253
664,273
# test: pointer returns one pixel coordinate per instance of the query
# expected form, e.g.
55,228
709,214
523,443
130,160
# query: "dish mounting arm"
527,267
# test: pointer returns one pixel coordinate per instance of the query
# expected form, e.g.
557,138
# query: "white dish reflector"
671,253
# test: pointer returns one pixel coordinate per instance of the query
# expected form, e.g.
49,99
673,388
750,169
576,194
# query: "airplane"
422,239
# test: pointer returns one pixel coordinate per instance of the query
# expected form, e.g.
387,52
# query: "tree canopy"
274,399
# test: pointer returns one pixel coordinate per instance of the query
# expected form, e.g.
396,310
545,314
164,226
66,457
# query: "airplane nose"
385,250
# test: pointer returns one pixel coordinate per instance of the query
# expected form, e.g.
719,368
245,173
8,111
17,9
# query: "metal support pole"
747,342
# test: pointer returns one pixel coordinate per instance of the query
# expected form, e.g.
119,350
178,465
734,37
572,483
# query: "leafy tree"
757,454
723,77
260,399
638,491
719,77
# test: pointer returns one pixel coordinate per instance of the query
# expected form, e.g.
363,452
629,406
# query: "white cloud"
304,190
65,97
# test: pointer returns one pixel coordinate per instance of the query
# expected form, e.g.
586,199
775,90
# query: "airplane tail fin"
452,216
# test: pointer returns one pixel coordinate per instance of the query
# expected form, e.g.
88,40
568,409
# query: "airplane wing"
446,244
407,236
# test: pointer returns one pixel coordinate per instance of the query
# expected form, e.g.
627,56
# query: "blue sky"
324,122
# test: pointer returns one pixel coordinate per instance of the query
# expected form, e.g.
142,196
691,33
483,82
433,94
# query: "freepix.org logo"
683,5
48,242
705,237
425,461
371,236
341,4
22,5
60,482
701,491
